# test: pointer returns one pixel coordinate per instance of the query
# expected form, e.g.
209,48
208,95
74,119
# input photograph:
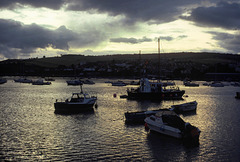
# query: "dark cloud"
130,40
224,14
53,4
230,42
25,39
167,38
134,10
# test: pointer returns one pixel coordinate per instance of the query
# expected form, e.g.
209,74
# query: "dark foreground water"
31,131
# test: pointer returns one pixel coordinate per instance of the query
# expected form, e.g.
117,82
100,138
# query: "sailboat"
154,90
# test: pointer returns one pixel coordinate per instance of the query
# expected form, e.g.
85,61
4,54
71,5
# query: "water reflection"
31,131
166,148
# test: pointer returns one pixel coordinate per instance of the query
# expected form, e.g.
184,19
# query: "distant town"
170,66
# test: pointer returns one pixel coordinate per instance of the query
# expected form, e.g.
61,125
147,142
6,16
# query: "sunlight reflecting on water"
30,130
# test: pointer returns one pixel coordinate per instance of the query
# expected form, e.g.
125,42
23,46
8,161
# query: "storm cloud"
135,10
25,39
224,15
53,4
77,25
227,41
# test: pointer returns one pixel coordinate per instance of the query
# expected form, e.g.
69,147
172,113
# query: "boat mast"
159,58
81,88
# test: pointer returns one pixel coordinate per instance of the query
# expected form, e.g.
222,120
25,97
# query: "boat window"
80,96
152,118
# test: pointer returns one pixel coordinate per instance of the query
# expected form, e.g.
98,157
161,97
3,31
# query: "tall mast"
159,58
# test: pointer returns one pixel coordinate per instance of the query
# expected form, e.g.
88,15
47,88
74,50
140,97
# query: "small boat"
79,102
237,95
40,82
190,84
154,91
170,124
205,84
185,107
216,84
23,80
119,83
3,80
138,117
124,96
74,82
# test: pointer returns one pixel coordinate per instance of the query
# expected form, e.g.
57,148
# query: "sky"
31,28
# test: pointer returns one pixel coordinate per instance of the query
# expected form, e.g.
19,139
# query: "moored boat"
154,91
139,116
40,82
119,83
23,80
216,84
74,82
170,124
3,80
190,84
185,107
79,102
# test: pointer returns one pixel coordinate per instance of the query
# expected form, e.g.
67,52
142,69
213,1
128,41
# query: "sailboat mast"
159,57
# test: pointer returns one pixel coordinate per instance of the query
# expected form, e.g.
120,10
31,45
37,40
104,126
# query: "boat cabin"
147,86
76,97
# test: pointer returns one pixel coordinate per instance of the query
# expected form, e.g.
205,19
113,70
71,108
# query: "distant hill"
69,59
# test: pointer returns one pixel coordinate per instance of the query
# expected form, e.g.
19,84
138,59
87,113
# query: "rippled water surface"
30,130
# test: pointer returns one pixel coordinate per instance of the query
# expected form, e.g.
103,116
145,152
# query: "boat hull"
138,117
156,95
166,130
72,107
186,107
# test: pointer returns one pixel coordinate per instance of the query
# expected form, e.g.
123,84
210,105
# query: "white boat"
190,84
188,106
40,82
170,124
79,102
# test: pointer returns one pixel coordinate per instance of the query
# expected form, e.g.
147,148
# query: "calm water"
30,130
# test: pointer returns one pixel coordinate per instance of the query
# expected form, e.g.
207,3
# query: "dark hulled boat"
79,102
154,91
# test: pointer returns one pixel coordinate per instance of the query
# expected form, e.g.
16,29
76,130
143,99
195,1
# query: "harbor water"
31,131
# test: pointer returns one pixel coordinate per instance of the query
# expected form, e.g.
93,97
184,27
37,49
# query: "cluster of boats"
168,122
164,121
33,82
138,117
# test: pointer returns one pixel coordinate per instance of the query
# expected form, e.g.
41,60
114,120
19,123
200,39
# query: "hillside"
68,60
